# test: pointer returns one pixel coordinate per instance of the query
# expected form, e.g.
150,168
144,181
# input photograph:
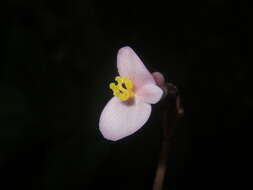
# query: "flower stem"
171,111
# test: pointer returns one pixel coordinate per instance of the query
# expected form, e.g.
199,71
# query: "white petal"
149,93
120,119
129,64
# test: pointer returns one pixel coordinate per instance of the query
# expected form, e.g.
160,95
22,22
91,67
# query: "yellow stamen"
124,88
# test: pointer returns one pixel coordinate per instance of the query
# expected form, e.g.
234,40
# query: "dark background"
58,58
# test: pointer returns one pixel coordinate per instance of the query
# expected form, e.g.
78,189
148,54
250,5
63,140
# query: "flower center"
124,88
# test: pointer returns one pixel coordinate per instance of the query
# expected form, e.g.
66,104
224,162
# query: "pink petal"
129,64
159,79
120,119
149,93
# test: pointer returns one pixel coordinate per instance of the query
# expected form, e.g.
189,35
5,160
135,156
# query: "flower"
134,93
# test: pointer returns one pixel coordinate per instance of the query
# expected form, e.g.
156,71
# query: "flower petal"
149,93
159,79
120,119
129,64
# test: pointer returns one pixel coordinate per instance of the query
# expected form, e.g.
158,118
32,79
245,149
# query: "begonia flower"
135,91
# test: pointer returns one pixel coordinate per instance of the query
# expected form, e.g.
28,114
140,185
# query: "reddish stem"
171,113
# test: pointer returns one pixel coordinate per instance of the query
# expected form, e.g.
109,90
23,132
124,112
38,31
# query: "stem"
171,113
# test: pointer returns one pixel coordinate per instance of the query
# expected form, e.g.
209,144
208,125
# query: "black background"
58,58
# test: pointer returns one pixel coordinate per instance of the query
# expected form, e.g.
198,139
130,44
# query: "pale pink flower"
136,90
